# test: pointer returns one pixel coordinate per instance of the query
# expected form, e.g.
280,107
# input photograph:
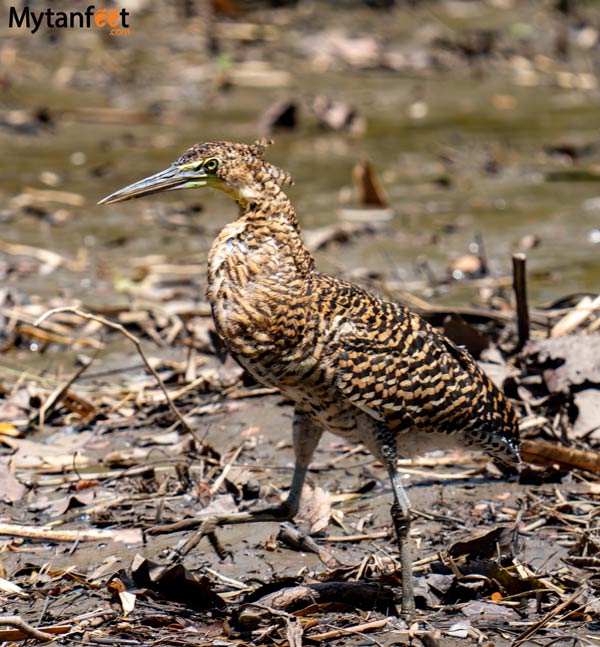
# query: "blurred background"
479,120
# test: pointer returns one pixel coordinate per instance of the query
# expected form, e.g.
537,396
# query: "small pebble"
50,178
594,236
78,158
251,489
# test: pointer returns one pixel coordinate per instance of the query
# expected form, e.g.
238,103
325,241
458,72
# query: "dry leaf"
315,508
367,187
6,429
489,612
463,334
12,588
566,361
176,583
11,489
127,601
588,420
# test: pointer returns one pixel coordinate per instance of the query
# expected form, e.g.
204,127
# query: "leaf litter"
118,457
101,473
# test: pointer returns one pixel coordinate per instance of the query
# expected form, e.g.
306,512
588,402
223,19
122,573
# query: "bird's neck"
253,265
264,239
271,218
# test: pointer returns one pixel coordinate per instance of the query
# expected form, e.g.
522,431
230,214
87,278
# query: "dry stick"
576,316
20,632
356,629
128,536
538,318
214,488
546,619
542,452
132,338
357,537
24,627
520,288
58,394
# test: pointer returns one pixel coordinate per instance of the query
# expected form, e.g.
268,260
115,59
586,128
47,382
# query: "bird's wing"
390,363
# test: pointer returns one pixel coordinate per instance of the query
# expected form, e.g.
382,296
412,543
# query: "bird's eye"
211,165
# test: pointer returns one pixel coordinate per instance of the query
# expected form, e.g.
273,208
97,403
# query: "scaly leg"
306,437
384,449
401,517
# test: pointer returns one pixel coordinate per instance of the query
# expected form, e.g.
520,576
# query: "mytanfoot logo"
115,20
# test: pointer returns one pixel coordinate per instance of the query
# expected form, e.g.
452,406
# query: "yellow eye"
211,165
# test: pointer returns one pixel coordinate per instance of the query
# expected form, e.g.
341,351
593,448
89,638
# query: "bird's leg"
306,437
402,521
400,513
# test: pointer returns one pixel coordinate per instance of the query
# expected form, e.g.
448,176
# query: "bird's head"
237,169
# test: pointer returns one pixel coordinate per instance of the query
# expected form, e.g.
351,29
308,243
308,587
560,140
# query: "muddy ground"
480,120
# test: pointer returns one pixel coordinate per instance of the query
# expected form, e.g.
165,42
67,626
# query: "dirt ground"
98,448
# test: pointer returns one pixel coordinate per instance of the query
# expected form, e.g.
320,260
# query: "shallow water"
474,130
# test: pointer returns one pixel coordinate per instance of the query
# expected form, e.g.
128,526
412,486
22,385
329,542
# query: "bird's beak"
174,177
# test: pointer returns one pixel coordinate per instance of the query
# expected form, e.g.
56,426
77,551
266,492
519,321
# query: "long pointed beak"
168,180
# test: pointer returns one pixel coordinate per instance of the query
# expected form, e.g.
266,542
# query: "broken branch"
520,288
132,338
545,453
25,628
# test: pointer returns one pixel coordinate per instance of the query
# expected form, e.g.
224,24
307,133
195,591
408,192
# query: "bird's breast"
251,283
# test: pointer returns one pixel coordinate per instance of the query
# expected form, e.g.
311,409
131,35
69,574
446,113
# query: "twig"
58,335
546,619
443,476
132,338
129,536
357,537
51,260
473,314
542,452
18,623
520,288
357,629
575,317
214,488
58,394
228,580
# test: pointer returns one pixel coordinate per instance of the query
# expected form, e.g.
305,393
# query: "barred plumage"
361,367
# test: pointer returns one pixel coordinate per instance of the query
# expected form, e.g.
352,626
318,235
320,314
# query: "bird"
366,369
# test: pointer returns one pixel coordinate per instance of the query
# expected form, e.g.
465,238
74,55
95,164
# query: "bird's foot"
207,529
218,547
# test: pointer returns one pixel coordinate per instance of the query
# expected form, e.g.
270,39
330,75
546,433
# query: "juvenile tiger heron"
368,370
